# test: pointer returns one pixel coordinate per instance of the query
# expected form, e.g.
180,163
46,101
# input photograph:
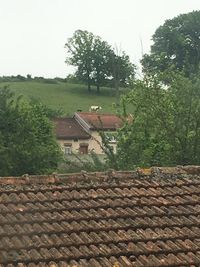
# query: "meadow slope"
68,97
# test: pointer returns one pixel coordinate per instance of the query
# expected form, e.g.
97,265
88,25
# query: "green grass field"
68,97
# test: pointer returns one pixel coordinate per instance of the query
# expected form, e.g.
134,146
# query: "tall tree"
176,46
96,61
101,57
89,54
80,50
27,142
122,71
165,129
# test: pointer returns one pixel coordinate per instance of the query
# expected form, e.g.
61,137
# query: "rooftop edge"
84,176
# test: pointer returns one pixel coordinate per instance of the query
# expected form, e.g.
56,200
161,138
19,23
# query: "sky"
34,32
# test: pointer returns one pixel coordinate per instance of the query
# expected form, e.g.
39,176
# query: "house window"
68,149
83,149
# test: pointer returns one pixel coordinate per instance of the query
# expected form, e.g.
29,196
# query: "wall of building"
75,145
93,144
96,140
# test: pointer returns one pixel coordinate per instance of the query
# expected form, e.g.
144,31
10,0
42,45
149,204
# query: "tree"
101,57
166,126
80,48
176,46
96,61
122,71
89,54
27,142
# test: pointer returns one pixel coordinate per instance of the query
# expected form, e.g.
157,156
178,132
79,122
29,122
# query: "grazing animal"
95,108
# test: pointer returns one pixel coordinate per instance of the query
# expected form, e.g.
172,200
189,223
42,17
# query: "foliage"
122,72
110,159
176,46
17,78
20,78
121,69
101,57
27,143
47,111
72,78
166,125
90,55
96,61
80,49
77,163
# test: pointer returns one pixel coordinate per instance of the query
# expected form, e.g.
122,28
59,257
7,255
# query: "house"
80,134
71,136
142,218
94,122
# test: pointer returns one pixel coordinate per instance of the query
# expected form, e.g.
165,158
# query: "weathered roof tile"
141,221
69,128
103,121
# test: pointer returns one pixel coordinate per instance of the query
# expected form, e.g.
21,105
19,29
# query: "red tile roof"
144,218
103,121
68,128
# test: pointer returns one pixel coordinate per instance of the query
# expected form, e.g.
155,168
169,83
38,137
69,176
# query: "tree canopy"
165,103
176,46
165,130
96,61
27,142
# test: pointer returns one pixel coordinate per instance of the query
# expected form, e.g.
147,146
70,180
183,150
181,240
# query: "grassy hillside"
69,97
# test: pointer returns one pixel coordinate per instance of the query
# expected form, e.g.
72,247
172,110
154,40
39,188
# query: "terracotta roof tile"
101,120
68,128
142,218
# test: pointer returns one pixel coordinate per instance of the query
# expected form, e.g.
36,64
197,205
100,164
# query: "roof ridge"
84,176
62,118
97,113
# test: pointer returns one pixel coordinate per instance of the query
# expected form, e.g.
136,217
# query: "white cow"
95,108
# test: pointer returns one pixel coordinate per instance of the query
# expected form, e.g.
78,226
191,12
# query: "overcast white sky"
34,32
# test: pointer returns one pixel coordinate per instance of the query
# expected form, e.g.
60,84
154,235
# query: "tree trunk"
89,87
117,91
98,82
88,82
98,88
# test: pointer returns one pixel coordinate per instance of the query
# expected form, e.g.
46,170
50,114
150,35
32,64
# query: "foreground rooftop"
150,217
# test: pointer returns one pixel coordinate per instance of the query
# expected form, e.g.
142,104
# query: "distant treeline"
71,78
28,77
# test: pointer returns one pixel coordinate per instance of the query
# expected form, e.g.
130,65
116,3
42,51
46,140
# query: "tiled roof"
68,128
144,218
101,120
